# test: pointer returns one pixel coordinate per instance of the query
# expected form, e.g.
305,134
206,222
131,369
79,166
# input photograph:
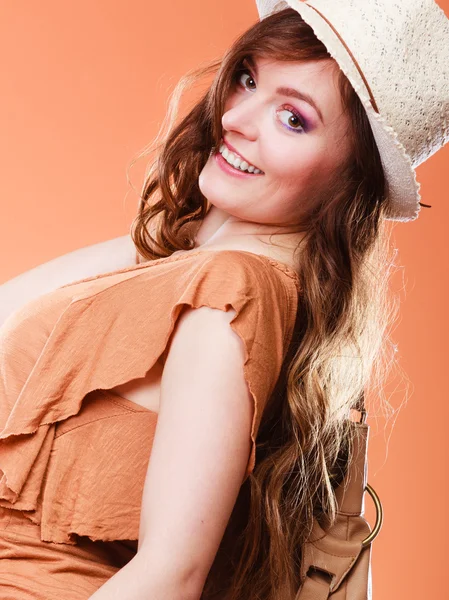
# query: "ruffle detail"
111,334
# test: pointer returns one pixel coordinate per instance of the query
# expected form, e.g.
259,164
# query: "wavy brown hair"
341,341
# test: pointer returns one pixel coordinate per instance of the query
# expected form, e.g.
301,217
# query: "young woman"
131,400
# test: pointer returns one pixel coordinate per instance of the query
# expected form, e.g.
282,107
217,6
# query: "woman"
295,256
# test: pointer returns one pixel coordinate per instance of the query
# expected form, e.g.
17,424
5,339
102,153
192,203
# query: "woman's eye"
243,73
294,122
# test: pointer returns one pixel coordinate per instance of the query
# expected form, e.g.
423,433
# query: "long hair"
341,340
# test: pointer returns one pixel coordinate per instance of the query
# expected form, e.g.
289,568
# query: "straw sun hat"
395,53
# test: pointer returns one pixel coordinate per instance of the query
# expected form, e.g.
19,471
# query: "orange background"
84,88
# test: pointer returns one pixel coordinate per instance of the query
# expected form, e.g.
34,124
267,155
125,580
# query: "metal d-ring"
379,516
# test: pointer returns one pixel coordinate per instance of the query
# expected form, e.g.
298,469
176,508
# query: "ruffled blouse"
73,454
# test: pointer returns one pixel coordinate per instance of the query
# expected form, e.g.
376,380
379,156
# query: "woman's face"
297,146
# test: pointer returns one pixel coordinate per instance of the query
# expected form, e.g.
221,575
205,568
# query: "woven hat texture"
395,53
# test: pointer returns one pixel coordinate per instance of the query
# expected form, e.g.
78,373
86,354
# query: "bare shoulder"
204,327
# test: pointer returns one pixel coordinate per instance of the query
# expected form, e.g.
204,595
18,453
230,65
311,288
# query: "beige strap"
313,590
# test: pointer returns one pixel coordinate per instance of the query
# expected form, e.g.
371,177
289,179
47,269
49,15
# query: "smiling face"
296,146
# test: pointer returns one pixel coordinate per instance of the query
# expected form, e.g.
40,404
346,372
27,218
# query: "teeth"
236,161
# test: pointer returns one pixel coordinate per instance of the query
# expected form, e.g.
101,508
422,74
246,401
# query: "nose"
242,117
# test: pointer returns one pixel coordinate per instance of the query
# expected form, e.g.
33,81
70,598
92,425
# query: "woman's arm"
85,262
140,580
198,460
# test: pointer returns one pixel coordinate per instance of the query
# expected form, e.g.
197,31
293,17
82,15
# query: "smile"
231,170
232,163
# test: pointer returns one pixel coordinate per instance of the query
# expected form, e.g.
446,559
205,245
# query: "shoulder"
254,302
205,333
240,271
263,296
226,295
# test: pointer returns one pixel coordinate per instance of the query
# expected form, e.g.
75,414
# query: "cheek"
298,164
297,177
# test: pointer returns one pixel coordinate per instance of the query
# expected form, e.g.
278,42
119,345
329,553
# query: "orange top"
73,455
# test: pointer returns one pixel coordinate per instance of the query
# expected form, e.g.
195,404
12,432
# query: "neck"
220,231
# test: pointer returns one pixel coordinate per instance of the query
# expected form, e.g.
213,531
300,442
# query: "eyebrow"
288,91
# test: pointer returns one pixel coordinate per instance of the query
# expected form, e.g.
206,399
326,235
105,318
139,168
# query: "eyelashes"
296,116
285,108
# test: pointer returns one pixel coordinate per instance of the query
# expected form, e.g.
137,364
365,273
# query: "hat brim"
403,187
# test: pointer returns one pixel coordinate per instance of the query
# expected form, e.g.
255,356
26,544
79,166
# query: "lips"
232,149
